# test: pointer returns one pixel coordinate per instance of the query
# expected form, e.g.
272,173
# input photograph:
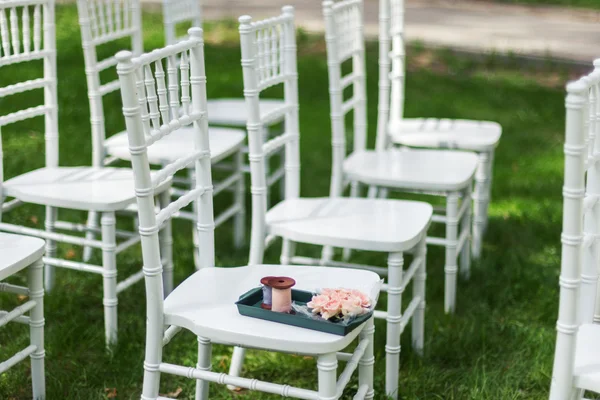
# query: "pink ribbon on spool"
282,293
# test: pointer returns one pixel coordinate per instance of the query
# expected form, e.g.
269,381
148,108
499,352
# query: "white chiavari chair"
16,254
204,302
29,39
481,137
222,111
104,22
577,354
392,226
436,172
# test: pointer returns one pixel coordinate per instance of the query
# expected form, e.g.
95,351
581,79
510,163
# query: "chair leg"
394,317
49,278
237,362
36,329
239,222
152,361
327,366
204,358
482,177
92,222
367,362
489,190
450,267
109,274
465,225
166,247
354,192
418,320
288,249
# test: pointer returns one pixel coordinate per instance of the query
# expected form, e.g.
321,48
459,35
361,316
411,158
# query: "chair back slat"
180,11
102,22
581,226
139,107
268,59
345,41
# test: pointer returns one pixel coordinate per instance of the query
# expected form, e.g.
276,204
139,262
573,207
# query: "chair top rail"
165,52
21,3
271,22
343,5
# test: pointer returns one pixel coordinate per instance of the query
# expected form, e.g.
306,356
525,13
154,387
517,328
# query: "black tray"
249,305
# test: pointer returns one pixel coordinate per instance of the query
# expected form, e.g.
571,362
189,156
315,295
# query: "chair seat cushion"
223,142
79,188
427,170
18,252
446,133
204,304
357,223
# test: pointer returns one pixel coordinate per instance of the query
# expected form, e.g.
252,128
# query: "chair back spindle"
345,42
269,59
180,11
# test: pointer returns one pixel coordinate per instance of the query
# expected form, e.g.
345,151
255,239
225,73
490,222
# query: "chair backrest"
392,69
101,23
345,42
152,112
269,59
27,35
180,11
581,225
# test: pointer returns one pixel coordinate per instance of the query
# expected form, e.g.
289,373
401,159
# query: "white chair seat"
223,143
587,358
80,188
446,133
204,304
234,112
427,170
18,252
357,223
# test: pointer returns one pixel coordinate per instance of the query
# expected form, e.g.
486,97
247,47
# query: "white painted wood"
436,172
479,136
577,351
18,253
365,224
100,24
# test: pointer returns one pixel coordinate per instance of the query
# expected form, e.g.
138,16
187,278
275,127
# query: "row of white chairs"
167,116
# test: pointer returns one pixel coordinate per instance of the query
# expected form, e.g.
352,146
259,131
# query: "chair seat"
223,143
79,188
233,112
427,170
587,358
458,134
18,252
204,304
357,223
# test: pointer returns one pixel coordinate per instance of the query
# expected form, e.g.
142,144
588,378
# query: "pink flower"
318,302
332,308
365,301
352,307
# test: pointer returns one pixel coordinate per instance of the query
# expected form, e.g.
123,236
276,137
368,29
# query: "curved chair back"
269,59
345,42
102,22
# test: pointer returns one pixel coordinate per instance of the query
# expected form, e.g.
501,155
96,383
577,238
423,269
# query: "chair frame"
109,243
579,303
458,203
260,72
140,138
35,320
393,16
100,25
190,11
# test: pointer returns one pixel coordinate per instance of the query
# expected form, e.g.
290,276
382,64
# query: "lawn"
499,344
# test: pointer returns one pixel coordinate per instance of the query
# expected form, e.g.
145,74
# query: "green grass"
500,343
